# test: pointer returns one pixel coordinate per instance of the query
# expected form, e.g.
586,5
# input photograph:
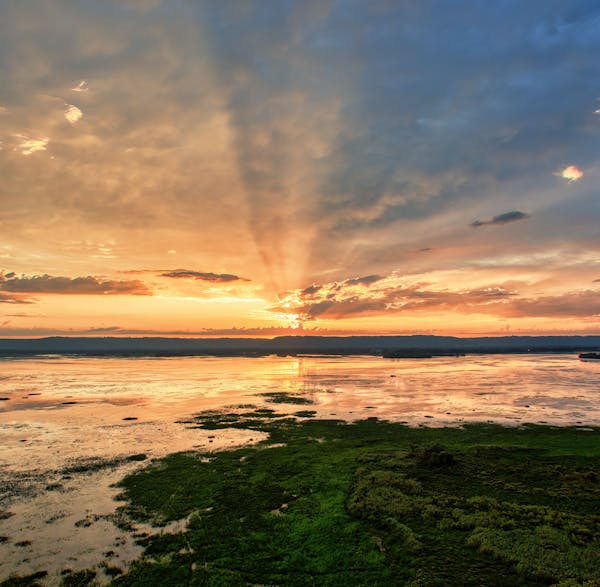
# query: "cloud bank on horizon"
300,145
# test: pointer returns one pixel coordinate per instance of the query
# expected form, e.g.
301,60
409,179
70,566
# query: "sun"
293,321
296,322
290,320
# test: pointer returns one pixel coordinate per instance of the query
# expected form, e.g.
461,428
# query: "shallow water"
59,410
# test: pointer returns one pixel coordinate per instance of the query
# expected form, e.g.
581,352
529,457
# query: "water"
60,410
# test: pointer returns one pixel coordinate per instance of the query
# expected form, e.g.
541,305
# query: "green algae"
323,502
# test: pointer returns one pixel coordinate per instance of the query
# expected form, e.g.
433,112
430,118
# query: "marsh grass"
327,503
283,397
373,503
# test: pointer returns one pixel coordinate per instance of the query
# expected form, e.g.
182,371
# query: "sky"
265,167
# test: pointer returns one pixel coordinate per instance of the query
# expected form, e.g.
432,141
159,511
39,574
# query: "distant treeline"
389,346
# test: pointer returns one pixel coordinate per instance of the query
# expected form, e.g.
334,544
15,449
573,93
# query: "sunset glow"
571,173
230,169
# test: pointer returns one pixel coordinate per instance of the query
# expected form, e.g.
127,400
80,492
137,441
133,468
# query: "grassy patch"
373,503
78,578
32,580
305,414
283,397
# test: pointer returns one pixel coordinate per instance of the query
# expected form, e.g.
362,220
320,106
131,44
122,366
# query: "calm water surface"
58,411
61,407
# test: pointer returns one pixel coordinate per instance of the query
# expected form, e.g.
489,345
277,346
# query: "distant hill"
417,345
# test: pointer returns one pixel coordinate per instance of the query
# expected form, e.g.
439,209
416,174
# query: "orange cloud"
202,276
82,86
10,299
67,285
379,295
27,146
571,173
73,114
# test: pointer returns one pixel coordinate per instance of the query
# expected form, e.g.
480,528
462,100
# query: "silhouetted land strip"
418,346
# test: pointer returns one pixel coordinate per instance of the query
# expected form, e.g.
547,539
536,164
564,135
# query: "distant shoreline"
416,346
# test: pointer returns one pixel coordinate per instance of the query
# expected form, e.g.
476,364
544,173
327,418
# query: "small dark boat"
589,356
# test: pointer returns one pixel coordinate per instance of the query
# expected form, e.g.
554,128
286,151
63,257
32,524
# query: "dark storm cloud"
70,285
202,276
505,218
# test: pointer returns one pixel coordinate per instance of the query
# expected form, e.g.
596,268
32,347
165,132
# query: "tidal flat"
311,498
325,502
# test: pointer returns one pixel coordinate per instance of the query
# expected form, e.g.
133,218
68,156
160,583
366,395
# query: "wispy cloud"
505,218
70,285
234,332
202,276
82,86
28,146
576,304
89,248
10,299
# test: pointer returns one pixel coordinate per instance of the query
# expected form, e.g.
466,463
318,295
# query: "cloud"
339,138
571,173
73,114
82,86
234,332
202,276
367,280
28,146
104,330
505,218
66,285
386,294
577,304
9,299
396,295
311,289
